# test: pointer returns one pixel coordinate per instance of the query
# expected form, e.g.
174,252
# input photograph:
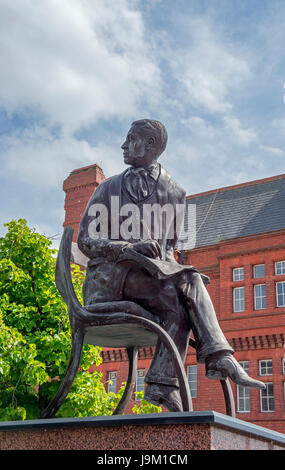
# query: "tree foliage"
143,406
35,340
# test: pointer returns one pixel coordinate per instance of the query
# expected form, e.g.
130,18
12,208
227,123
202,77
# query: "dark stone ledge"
187,418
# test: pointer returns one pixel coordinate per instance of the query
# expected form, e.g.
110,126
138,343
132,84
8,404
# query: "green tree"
143,406
35,339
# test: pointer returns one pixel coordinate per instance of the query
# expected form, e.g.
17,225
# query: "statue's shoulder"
109,187
112,181
175,190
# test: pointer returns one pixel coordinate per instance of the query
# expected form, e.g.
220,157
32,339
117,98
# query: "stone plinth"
168,431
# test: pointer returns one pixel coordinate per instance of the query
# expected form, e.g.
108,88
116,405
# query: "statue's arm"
179,203
169,253
111,249
91,246
108,249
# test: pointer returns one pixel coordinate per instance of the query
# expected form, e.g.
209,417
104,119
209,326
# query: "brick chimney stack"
78,188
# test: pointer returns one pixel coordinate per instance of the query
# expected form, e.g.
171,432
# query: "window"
112,382
283,364
280,294
267,398
238,274
280,267
192,380
265,367
243,393
258,271
259,296
140,381
238,298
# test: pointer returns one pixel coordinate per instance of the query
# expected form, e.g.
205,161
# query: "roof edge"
239,185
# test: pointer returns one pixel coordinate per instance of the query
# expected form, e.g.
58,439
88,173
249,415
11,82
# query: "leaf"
35,339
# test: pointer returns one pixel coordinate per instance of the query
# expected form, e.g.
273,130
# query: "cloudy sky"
76,73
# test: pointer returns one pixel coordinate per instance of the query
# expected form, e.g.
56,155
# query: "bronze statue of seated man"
177,295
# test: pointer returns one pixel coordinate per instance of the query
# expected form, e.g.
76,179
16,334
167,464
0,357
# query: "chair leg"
75,356
229,398
177,362
123,403
185,393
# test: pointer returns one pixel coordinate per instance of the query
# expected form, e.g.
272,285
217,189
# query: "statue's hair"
156,129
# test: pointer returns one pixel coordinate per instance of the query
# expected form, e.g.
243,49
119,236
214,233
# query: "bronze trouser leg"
161,298
180,306
175,320
206,329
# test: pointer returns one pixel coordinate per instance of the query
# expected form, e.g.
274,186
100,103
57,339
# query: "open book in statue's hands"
155,266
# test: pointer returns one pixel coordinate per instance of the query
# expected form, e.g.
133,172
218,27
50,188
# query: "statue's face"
136,148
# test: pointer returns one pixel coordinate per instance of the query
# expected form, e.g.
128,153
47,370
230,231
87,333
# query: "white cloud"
273,150
211,71
243,136
215,154
74,61
230,131
43,160
208,70
70,63
279,124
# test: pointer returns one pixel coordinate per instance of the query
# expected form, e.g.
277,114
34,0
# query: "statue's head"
145,142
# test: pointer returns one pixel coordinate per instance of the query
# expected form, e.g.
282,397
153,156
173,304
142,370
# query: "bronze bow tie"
141,181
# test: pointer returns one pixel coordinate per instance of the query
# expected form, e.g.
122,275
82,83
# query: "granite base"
168,431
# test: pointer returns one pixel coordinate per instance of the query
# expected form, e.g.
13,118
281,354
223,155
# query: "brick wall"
78,188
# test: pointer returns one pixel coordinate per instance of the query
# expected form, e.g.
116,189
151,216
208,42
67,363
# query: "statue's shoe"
223,365
164,395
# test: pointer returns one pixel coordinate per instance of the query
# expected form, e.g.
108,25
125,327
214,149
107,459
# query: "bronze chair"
121,324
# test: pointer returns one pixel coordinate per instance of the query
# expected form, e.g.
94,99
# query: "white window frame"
283,294
283,365
238,273
112,377
267,397
243,393
256,297
238,289
282,268
266,367
140,378
256,266
192,380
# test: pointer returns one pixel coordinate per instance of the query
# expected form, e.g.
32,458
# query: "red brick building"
240,244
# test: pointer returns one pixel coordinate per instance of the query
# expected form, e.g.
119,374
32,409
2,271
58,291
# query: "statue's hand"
148,248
